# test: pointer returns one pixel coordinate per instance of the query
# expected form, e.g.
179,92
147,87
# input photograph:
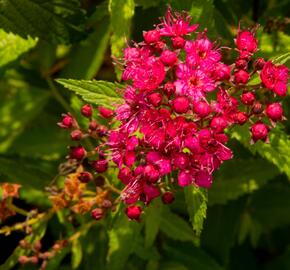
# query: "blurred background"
248,219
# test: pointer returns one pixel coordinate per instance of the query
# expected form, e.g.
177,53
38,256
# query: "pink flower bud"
97,213
241,77
257,108
180,105
151,36
280,89
203,179
100,165
168,58
105,112
274,111
169,88
241,118
181,160
248,98
77,152
259,131
218,124
85,177
241,64
76,135
151,173
246,42
133,212
167,197
202,109
259,63
184,178
87,110
67,121
125,175
178,42
93,125
221,72
155,99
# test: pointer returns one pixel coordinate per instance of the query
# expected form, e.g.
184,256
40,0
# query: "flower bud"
221,72
246,42
155,99
125,175
87,110
241,64
184,178
100,165
78,152
151,36
105,112
203,179
93,125
259,131
167,197
218,124
97,213
23,259
241,77
259,63
178,42
76,135
180,105
169,88
67,121
151,173
274,111
241,118
257,108
106,204
248,98
181,160
85,177
133,212
202,109
168,58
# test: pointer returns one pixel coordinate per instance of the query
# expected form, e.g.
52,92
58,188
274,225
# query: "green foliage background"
248,207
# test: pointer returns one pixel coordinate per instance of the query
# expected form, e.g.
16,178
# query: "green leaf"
152,222
12,46
87,57
122,239
277,151
175,227
202,13
190,256
53,21
19,104
121,12
229,185
196,200
96,92
24,171
77,254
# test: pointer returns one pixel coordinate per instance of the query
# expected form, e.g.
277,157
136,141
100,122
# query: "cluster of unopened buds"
179,101
37,254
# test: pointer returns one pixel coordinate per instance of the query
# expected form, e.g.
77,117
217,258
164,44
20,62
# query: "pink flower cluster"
179,100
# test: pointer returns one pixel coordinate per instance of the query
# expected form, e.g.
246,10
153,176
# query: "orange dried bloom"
10,190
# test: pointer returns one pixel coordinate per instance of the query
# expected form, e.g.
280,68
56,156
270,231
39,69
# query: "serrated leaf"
121,12
12,46
175,227
121,241
229,185
152,222
47,20
277,151
196,200
96,92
